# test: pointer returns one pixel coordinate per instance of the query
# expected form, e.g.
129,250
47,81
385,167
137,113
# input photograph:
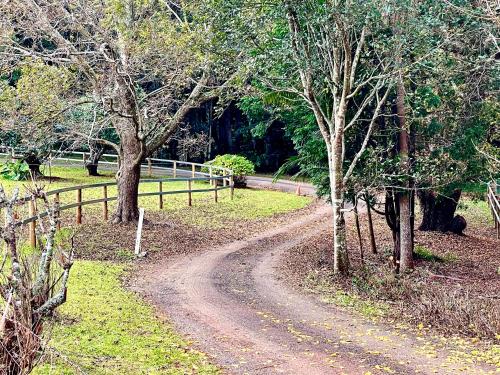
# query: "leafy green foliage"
240,166
15,171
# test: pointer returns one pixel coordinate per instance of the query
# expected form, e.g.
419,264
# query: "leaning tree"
143,64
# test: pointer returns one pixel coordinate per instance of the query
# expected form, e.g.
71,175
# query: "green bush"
240,166
15,171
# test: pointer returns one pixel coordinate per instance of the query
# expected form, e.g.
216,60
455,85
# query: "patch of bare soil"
164,238
455,291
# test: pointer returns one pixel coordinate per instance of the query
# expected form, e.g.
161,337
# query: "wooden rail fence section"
80,203
218,178
494,203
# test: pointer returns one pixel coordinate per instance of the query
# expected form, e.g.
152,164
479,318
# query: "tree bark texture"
405,227
340,255
438,211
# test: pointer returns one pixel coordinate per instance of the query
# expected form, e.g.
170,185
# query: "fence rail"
494,203
219,179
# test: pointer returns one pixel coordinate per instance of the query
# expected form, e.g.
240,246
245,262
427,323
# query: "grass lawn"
247,204
105,329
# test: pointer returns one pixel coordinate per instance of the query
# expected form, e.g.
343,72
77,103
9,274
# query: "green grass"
367,308
424,253
106,330
475,211
248,204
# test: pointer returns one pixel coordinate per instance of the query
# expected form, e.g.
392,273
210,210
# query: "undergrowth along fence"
218,179
494,203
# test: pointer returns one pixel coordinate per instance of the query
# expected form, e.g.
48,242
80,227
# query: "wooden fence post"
150,168
175,169
105,212
216,198
32,225
160,186
58,200
190,199
224,180
193,170
211,175
231,181
79,207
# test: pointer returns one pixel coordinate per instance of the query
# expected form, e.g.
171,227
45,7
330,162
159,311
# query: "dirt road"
231,303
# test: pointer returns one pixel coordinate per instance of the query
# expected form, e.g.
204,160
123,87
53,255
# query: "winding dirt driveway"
231,302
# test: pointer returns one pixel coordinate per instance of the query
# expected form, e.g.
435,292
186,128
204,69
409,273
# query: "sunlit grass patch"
475,211
423,253
248,204
104,329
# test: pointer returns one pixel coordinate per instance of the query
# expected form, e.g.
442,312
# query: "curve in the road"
231,301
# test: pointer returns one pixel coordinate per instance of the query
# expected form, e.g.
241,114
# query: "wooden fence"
218,178
494,203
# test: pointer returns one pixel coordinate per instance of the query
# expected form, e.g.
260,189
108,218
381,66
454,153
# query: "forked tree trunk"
92,162
438,211
132,150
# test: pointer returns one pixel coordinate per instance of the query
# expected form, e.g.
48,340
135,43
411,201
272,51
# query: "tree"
30,292
329,56
451,107
31,109
142,64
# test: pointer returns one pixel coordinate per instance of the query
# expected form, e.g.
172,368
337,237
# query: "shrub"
240,166
15,171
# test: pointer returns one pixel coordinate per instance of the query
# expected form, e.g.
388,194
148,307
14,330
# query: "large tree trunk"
92,170
438,211
340,256
132,150
127,209
34,164
92,162
405,226
129,174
